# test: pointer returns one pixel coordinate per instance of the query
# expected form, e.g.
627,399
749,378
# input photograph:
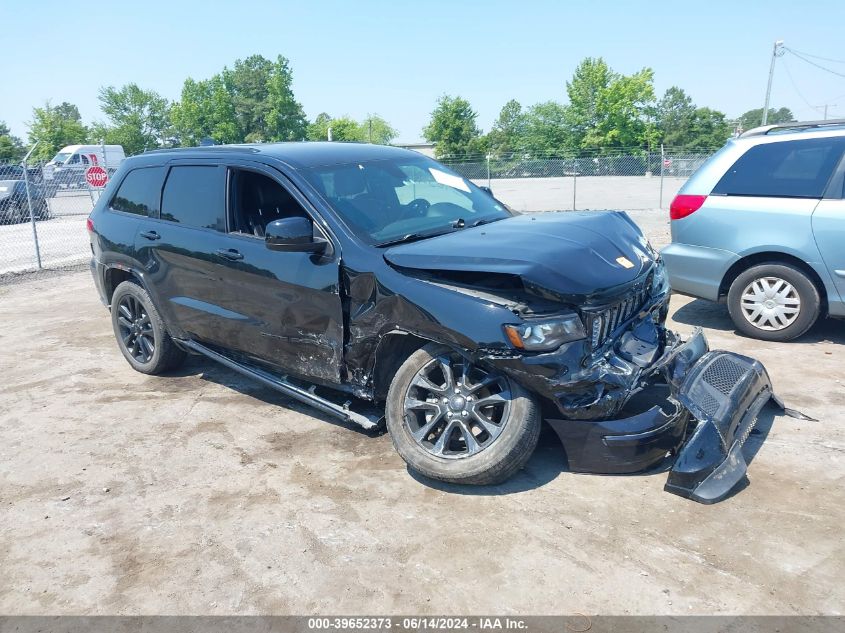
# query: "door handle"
150,235
228,253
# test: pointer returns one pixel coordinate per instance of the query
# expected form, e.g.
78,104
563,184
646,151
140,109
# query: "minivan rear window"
140,192
793,169
194,195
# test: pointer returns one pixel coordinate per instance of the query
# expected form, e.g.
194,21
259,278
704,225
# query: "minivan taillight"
89,224
684,205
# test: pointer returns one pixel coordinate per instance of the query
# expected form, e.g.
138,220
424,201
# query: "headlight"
660,282
546,334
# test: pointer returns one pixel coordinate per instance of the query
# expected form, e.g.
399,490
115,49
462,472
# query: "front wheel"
454,421
773,302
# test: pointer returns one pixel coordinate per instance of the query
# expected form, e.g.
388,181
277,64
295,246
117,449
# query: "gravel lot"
202,493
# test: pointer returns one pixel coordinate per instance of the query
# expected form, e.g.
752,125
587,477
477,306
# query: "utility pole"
826,106
777,51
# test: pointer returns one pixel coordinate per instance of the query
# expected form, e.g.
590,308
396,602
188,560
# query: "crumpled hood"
566,253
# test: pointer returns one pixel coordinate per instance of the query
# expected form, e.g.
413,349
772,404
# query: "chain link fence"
628,181
42,216
43,212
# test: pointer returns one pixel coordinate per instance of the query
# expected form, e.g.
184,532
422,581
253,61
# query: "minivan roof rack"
794,125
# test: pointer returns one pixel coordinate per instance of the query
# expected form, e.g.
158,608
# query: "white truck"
67,168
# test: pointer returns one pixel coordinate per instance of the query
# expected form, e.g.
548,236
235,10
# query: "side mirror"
292,235
487,189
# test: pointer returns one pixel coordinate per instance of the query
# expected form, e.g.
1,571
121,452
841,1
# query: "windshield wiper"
485,221
412,237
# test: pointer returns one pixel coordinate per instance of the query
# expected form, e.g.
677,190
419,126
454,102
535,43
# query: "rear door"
829,231
179,249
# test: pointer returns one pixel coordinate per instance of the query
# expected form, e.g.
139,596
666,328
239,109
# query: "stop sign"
96,176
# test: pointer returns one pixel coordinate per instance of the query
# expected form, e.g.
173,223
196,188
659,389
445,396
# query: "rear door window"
194,195
792,169
140,192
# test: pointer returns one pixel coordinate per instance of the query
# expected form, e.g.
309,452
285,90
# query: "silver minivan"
761,227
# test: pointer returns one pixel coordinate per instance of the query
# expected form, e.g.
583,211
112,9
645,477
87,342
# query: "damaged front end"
707,406
713,402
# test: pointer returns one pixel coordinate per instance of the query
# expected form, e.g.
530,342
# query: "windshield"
61,157
384,201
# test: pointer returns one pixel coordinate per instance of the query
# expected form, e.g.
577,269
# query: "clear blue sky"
395,58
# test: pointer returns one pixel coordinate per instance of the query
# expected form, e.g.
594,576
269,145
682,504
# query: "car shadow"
199,367
712,315
545,465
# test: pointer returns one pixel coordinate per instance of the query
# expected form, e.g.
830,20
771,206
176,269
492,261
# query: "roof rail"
793,125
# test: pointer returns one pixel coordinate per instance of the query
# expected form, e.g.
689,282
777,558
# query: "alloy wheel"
770,303
136,329
454,409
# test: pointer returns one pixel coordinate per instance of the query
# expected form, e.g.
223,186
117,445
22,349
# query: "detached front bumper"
713,403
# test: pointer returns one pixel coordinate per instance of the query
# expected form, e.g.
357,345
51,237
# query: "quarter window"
140,192
194,195
793,169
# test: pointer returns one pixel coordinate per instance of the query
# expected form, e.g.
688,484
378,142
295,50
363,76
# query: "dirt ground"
202,493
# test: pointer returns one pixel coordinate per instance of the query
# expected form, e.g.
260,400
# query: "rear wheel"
773,302
454,421
141,336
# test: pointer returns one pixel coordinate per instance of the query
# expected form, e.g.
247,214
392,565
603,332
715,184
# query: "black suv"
364,279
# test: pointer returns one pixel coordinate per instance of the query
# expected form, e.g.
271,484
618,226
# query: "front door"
280,308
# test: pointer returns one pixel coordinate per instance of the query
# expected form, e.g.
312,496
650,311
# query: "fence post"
574,180
29,204
662,169
488,171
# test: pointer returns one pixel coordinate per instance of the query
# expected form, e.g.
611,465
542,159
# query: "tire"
501,446
773,302
140,332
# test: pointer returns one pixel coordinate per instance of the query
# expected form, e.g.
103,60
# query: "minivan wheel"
454,421
140,332
773,302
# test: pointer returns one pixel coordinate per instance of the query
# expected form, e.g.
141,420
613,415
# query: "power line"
827,59
812,63
795,87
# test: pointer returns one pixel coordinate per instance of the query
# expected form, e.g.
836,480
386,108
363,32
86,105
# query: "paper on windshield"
456,182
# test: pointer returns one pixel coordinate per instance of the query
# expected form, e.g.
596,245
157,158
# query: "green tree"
346,129
682,125
452,127
375,129
674,114
708,129
138,119
508,133
205,110
319,129
548,130
253,101
285,119
11,148
247,84
54,127
754,118
611,110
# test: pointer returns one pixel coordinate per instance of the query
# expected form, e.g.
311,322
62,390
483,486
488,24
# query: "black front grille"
604,323
723,374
